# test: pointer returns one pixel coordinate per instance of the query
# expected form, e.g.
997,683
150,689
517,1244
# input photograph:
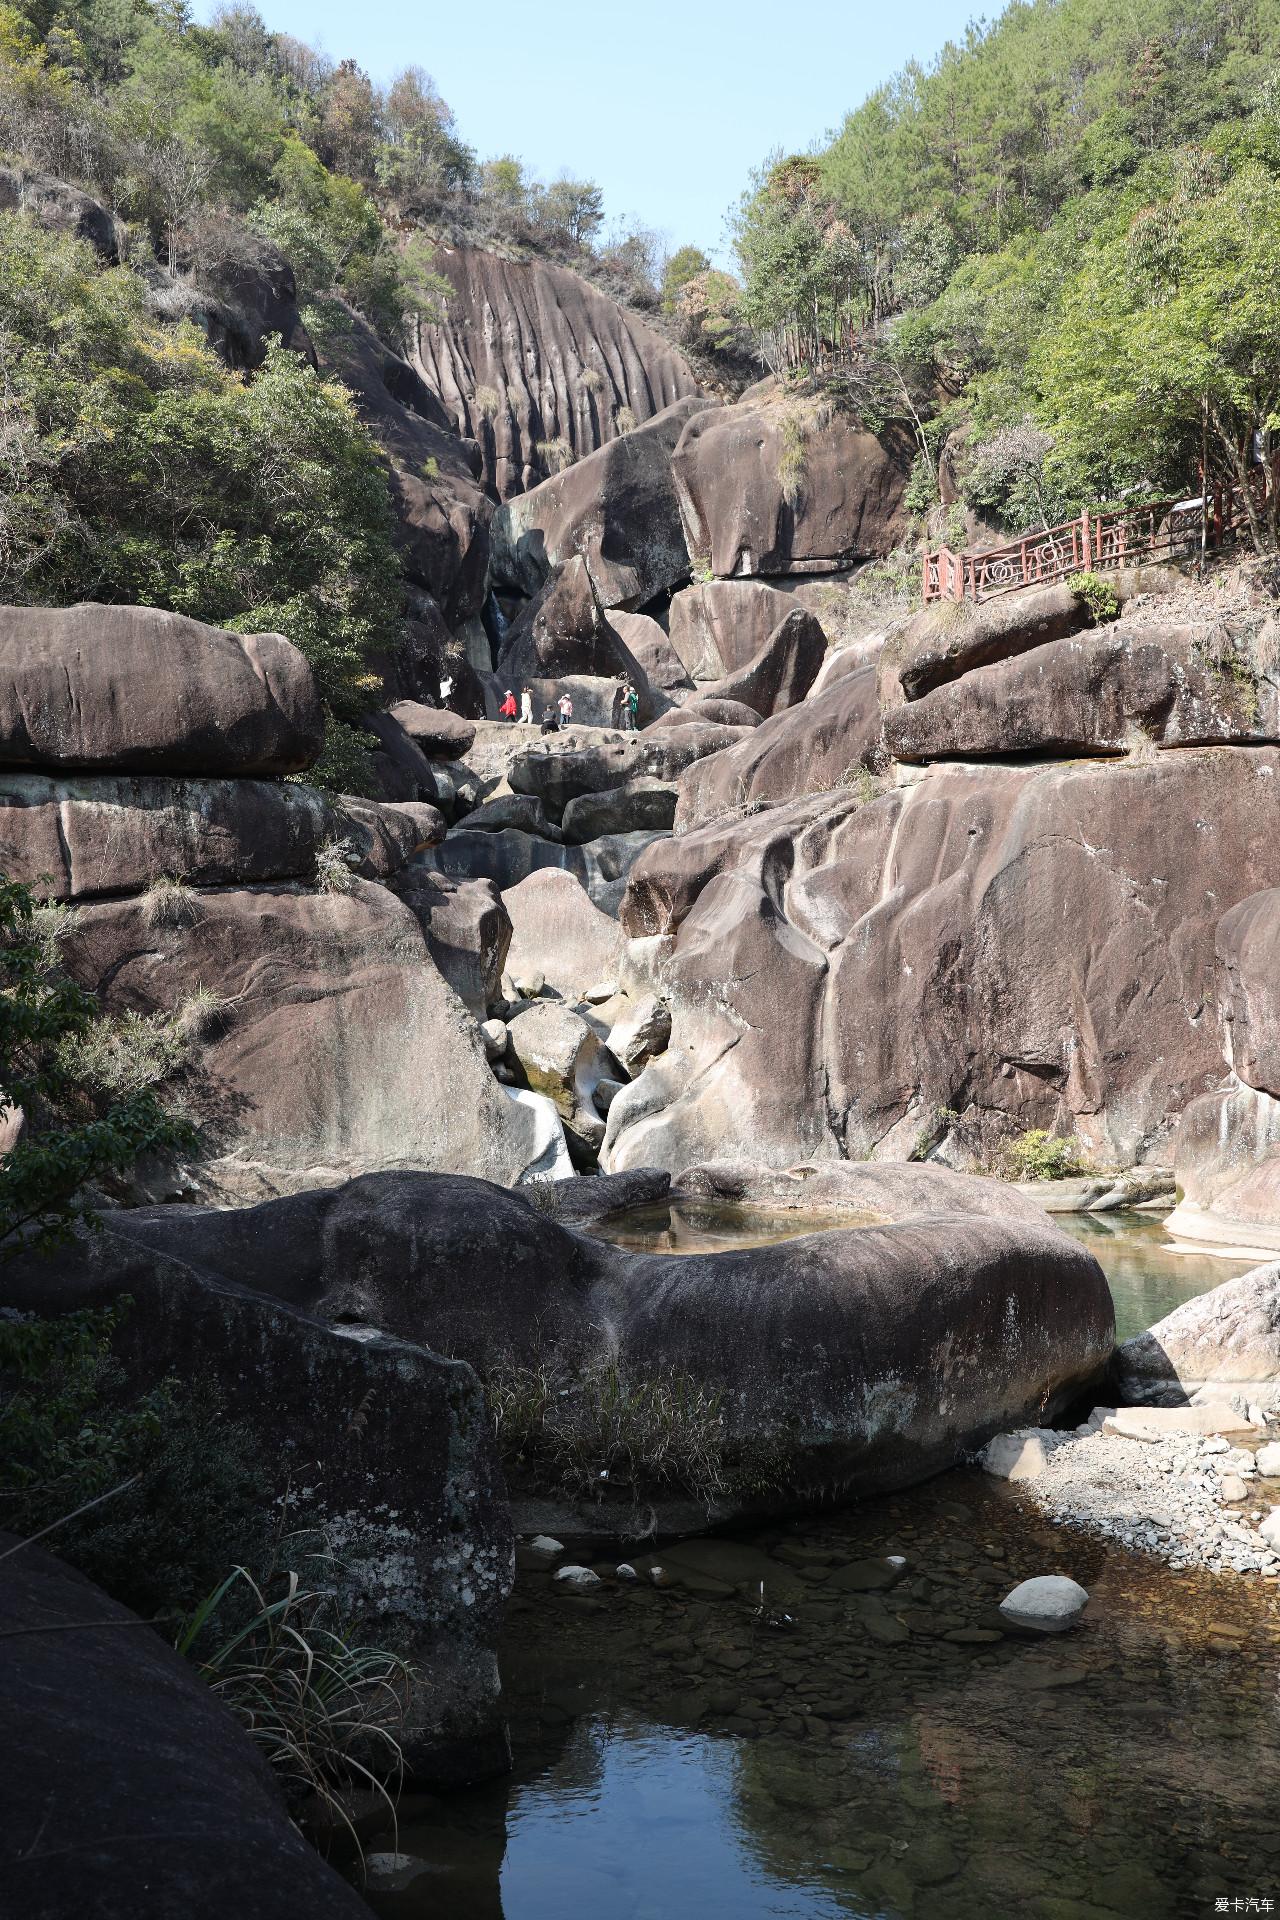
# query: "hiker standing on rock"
526,707
633,706
566,709
619,707
508,707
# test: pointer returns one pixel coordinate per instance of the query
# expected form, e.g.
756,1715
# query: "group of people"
626,707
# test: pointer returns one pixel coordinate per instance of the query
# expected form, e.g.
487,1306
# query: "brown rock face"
765,488
814,747
442,509
616,508
1090,692
947,639
718,626
529,353
563,630
780,674
336,1047
1248,947
647,644
467,932
1021,946
439,734
132,688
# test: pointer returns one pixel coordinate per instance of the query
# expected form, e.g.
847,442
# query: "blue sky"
668,104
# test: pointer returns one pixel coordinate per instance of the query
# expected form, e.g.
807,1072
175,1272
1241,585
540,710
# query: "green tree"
684,265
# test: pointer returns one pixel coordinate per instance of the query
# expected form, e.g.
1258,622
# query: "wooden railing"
1118,537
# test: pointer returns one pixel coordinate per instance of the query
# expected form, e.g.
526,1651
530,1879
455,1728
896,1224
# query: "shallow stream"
892,1752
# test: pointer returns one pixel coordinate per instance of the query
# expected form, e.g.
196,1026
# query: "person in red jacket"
508,709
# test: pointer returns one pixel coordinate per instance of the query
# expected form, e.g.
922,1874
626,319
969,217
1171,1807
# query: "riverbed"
846,1747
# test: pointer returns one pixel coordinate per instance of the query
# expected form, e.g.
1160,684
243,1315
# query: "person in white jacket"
526,707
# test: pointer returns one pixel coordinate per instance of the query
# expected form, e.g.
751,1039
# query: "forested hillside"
1063,236
194,410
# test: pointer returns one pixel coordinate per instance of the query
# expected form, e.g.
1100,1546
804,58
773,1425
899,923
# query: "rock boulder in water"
863,1360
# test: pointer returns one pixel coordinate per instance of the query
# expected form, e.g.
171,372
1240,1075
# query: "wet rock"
1049,1603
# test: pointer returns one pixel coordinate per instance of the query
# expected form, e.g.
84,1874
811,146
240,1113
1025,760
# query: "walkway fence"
1119,537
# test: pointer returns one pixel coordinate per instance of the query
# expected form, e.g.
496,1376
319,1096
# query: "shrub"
320,1708
151,1494
625,420
592,379
488,402
555,455
1040,1155
791,457
126,1053
334,863
169,902
1099,597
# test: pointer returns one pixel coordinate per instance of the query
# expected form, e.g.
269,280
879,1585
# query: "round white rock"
1048,1604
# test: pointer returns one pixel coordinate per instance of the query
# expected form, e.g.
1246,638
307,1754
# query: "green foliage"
177,1487
684,265
49,1036
1040,1155
321,1708
1099,596
140,470
922,487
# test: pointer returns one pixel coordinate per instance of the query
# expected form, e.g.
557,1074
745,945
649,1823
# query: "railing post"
1084,540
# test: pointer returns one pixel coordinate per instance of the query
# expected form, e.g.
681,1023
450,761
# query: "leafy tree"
685,264
67,1141
139,470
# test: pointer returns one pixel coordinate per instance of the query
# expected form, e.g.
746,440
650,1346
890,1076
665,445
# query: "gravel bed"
1159,1496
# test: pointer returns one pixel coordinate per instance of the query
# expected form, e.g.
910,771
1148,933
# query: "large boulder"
824,1353
563,630
651,649
616,508
1223,1345
62,208
560,768
82,835
641,805
771,486
1248,951
709,710
113,688
384,1446
781,673
1104,691
508,857
440,734
1037,943
92,1694
952,637
719,626
529,356
872,1192
827,742
467,932
558,1053
557,932
335,1046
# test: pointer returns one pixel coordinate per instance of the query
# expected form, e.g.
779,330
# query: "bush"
178,1491
1100,599
334,863
1040,1155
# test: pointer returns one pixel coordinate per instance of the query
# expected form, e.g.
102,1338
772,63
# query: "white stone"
1270,1528
603,990
529,985
1014,1456
1267,1460
577,1579
547,1548
494,1035
641,1034
1050,1603
551,1160
391,1872
1157,1423
626,1571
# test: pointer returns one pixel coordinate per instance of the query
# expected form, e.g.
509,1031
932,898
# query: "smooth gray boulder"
466,929
559,933
1050,1603
640,806
508,857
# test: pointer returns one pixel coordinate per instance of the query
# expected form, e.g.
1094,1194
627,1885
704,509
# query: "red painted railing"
1118,537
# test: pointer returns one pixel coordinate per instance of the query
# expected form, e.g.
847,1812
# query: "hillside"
1061,237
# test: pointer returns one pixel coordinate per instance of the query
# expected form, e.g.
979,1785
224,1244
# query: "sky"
667,104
